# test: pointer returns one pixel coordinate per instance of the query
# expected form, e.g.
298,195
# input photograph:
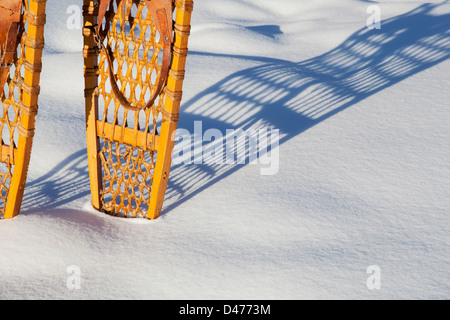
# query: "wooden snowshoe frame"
130,149
19,92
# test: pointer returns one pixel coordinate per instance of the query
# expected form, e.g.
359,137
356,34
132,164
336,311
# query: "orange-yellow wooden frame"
173,90
35,17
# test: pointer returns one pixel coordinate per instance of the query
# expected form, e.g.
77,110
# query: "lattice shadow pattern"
295,96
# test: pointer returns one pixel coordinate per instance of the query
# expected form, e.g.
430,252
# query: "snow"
363,176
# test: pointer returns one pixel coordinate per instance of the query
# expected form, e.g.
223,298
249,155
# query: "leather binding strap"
10,16
161,12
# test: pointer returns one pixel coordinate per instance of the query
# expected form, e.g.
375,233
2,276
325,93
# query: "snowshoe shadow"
278,94
295,96
66,182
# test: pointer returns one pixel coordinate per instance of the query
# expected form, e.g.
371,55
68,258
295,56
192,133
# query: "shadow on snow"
280,94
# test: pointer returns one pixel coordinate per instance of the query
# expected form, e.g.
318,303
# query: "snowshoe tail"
22,41
135,54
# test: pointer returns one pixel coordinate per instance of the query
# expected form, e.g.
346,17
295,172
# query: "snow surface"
363,180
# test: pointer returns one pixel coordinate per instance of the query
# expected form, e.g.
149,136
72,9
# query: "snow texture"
363,178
